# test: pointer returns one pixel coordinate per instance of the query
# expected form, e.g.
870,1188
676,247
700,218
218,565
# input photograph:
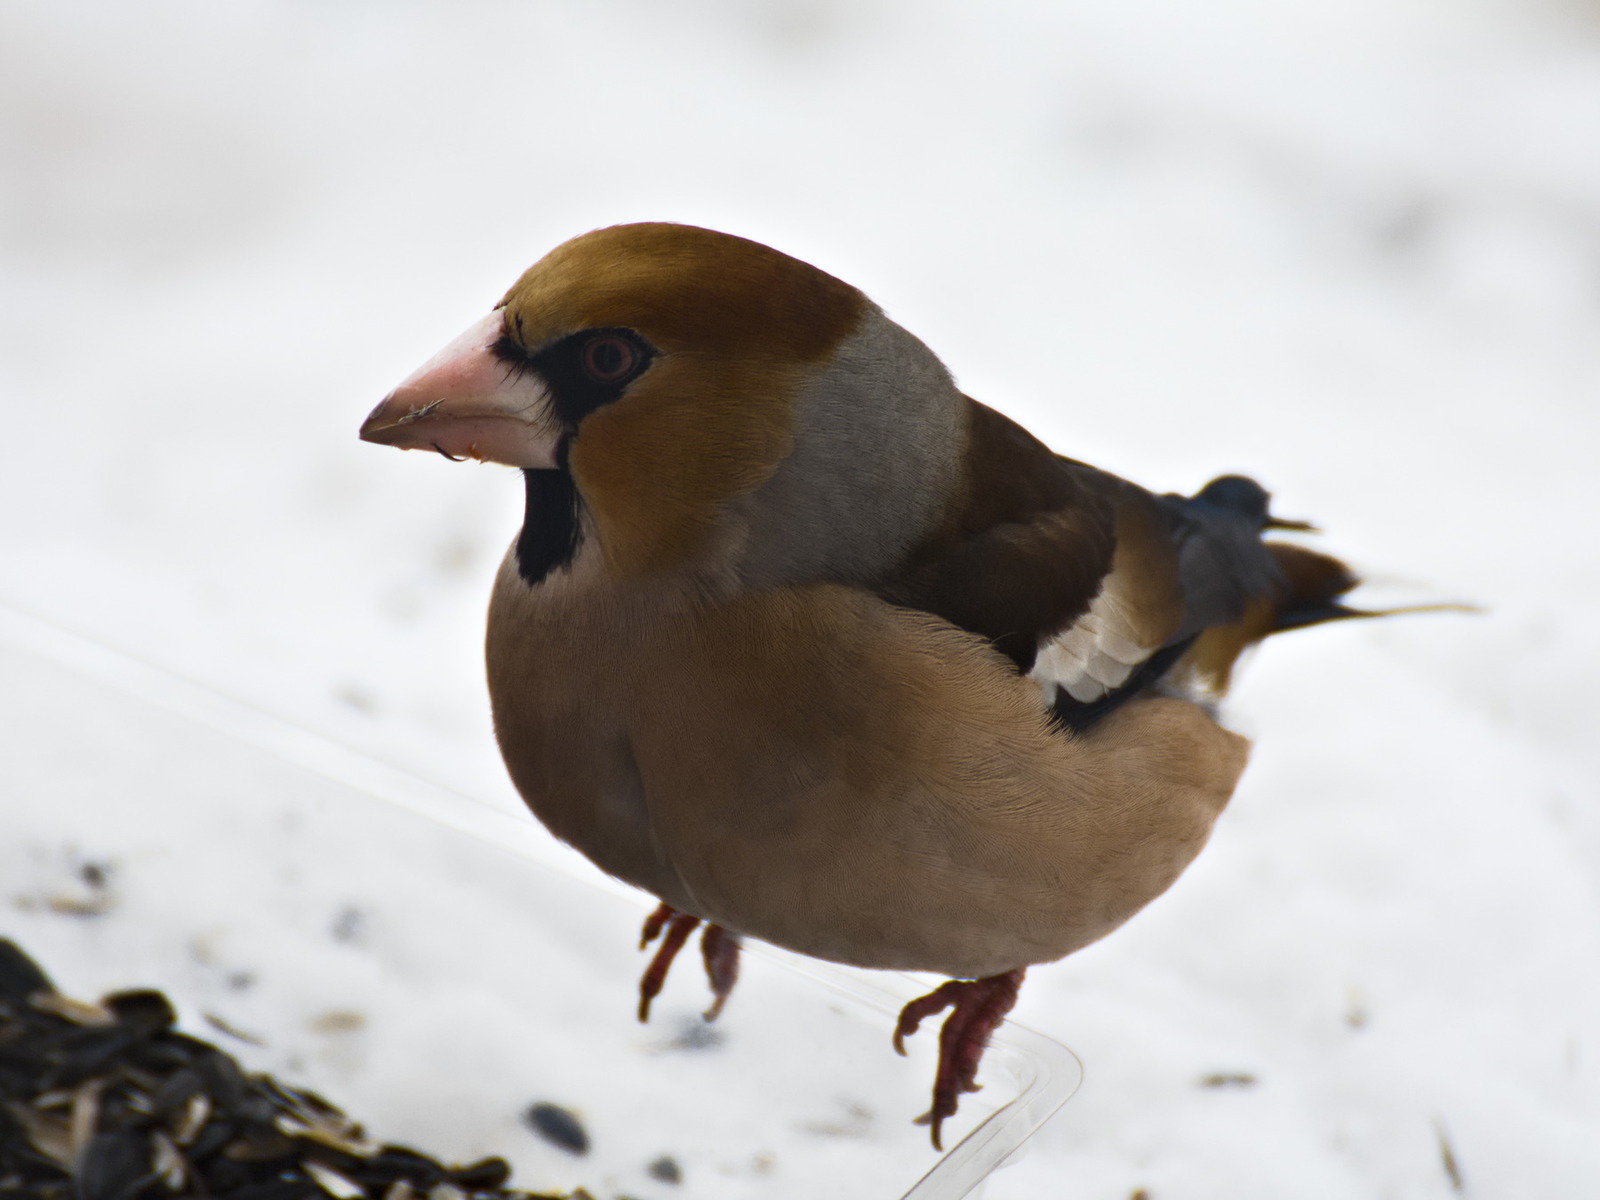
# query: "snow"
322,913
1352,249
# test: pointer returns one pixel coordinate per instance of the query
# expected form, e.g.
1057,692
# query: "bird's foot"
718,947
979,1007
720,950
678,927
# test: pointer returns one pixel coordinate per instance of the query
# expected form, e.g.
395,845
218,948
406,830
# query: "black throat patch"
584,371
550,529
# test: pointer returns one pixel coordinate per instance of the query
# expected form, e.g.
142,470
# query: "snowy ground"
1352,248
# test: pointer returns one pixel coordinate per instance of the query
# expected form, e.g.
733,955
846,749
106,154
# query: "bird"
816,649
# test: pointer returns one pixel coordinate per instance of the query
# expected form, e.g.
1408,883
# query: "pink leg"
718,947
679,925
979,1007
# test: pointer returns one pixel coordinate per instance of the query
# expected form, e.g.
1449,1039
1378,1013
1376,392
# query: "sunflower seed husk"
76,1011
109,1101
167,1162
330,1181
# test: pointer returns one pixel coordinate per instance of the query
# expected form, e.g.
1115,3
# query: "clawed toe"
979,1006
720,950
718,947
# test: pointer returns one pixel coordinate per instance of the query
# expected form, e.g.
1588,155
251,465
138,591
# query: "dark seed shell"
558,1126
393,1163
665,1170
172,1095
482,1176
20,976
109,1102
113,1166
291,1188
143,1012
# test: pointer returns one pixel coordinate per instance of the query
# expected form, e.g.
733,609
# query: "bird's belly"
976,884
847,779
917,811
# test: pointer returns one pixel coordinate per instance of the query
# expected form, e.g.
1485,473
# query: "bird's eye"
608,358
590,368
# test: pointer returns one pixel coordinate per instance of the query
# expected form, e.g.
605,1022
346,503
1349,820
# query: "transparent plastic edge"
1046,1072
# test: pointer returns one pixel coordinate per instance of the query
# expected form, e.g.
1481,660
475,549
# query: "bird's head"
676,374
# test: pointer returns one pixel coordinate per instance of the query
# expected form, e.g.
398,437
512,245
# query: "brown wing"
1032,541
1090,584
1023,547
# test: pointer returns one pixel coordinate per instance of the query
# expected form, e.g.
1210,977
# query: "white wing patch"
1098,652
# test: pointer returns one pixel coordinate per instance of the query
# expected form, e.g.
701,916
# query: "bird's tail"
1307,587
1314,587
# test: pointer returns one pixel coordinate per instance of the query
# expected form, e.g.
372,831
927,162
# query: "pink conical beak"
465,402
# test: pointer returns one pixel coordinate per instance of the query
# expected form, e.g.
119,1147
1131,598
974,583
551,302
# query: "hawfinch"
816,649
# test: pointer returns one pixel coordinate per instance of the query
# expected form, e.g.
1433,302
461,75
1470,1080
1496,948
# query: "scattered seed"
47,1133
349,924
855,1122
482,1176
330,1181
96,875
665,1170
232,1030
96,904
94,1016
1447,1156
144,1012
111,1166
257,1145
19,977
167,1162
338,1020
109,1102
85,1118
558,1126
398,1164
196,1111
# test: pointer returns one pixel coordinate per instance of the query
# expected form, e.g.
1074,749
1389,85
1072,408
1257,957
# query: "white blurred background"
1350,248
